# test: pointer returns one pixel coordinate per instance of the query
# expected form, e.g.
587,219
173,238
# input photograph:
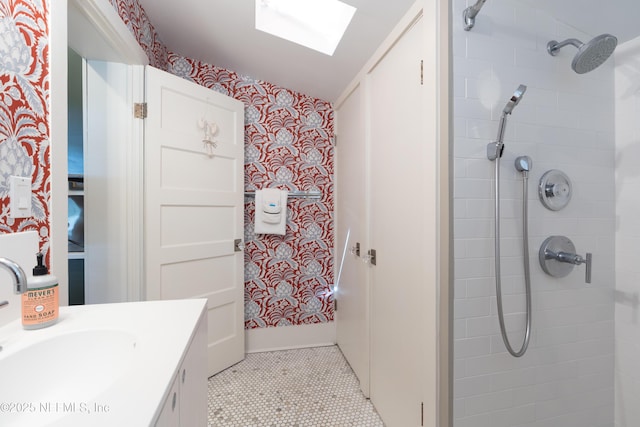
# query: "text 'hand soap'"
40,302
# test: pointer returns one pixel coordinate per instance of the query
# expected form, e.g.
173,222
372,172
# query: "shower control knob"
560,189
554,189
557,257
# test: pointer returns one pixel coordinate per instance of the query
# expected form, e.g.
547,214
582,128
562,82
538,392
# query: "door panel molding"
188,220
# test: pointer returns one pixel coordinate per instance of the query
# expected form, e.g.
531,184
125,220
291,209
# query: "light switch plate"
20,197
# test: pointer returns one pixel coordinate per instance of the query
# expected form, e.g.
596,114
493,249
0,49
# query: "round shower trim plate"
554,190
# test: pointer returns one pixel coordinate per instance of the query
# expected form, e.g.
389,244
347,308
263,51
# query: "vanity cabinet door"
186,404
170,414
193,381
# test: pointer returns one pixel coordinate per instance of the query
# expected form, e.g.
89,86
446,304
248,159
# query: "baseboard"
290,337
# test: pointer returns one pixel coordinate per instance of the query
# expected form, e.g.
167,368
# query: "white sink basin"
99,365
60,366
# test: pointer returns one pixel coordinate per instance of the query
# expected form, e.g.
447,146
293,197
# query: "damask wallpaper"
288,145
24,111
133,15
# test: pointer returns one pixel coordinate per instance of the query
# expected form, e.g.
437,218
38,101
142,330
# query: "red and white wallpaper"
288,145
24,111
133,15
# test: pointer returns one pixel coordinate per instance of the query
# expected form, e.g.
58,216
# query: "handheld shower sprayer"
494,149
522,164
515,99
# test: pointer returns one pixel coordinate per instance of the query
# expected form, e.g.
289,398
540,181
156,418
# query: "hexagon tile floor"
310,387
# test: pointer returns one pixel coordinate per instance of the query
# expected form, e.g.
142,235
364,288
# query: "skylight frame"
316,24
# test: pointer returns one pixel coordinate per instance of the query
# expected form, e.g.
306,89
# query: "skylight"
316,24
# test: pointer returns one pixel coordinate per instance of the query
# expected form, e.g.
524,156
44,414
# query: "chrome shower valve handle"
587,271
576,259
557,257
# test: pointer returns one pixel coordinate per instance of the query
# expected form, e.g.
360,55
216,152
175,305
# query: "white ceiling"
221,32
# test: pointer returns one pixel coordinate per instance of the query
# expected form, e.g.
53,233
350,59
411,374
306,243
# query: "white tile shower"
627,375
564,121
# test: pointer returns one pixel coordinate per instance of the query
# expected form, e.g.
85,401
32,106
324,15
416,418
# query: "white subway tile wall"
627,301
564,121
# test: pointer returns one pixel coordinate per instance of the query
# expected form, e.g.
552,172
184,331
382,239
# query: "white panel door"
400,227
108,158
194,206
352,290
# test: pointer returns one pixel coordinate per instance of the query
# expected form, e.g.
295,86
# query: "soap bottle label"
40,305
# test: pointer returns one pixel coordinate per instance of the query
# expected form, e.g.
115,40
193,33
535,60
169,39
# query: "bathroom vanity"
128,364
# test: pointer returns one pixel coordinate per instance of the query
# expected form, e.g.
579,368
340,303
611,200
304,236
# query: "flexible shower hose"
525,250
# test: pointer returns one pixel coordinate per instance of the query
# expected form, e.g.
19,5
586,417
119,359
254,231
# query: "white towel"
271,211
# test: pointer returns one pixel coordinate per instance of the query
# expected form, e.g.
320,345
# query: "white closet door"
194,206
112,176
352,294
108,120
400,227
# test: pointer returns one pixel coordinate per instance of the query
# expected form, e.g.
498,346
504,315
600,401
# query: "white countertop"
154,335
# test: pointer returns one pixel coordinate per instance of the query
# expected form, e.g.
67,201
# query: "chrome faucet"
19,278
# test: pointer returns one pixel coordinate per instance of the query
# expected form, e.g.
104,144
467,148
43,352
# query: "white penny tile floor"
310,387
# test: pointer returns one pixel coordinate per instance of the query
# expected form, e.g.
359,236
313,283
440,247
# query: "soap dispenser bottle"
40,302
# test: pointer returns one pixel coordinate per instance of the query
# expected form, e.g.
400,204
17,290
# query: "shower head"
590,55
514,100
494,149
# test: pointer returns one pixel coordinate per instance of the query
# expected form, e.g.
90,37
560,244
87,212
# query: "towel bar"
297,194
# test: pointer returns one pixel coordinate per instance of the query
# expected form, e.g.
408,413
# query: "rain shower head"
515,99
590,55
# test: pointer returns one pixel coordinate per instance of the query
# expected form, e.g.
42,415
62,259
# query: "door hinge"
335,305
422,71
238,245
140,110
372,256
421,413
355,250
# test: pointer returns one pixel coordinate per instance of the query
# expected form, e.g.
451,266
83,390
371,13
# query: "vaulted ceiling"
221,32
